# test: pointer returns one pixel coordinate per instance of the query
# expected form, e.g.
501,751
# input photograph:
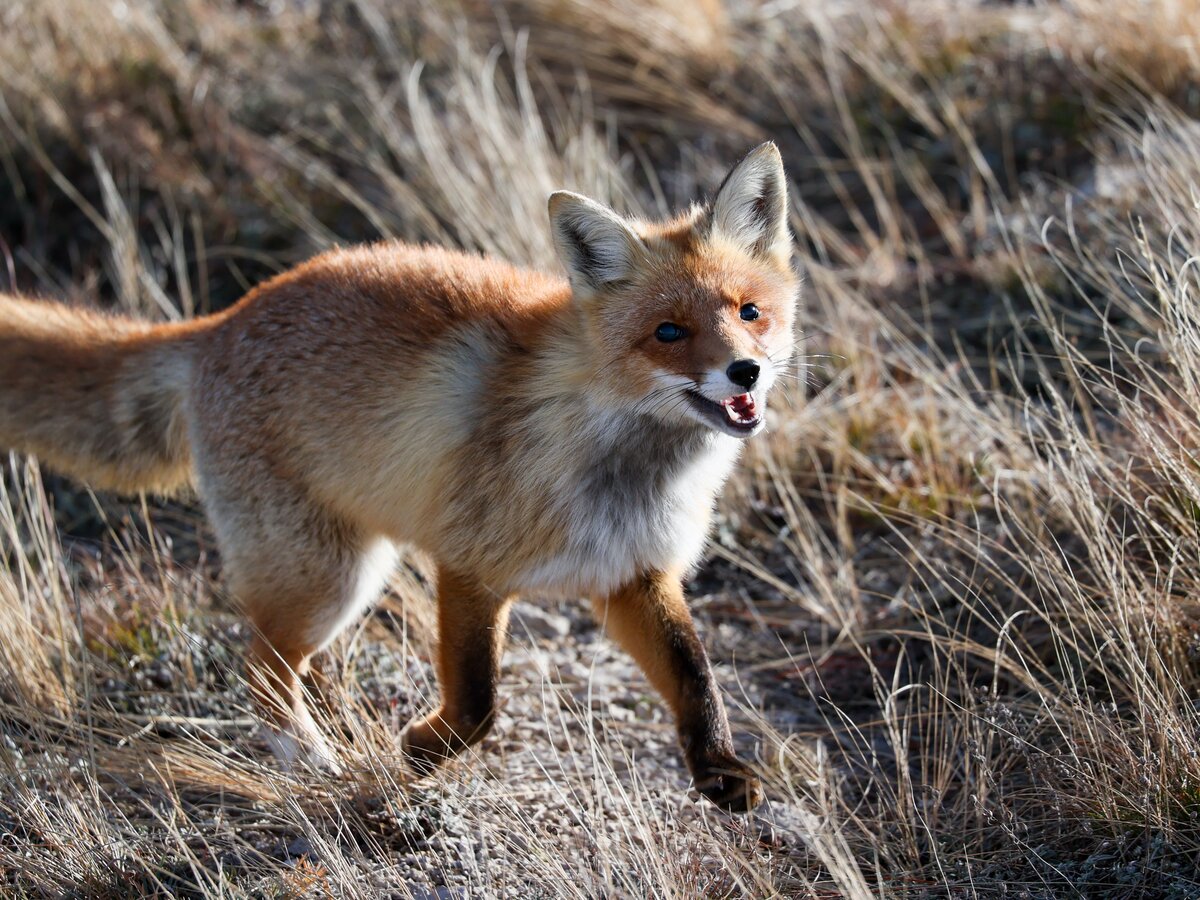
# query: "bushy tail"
97,397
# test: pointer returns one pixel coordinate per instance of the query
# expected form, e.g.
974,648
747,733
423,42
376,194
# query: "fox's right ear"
596,245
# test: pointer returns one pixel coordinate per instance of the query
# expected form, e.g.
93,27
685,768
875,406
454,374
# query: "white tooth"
733,416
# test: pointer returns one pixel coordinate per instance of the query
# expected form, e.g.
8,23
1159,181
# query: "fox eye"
749,312
669,331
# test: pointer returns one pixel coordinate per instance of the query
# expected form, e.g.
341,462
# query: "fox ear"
593,242
751,207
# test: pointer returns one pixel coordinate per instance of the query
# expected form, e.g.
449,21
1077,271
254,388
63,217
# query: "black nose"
743,373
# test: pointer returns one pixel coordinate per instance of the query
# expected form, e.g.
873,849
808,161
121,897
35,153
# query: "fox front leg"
472,623
651,620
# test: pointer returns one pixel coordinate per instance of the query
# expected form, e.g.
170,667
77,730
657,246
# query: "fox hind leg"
301,575
275,671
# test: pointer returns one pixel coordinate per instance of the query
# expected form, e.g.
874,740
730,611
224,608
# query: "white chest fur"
641,503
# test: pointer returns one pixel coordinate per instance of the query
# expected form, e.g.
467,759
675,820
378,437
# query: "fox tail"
100,398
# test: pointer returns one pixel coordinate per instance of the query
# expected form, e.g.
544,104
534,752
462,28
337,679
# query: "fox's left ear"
751,207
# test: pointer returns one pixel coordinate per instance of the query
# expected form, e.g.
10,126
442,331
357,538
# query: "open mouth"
736,415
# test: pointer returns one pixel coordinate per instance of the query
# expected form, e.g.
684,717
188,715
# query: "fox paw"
424,749
296,754
730,784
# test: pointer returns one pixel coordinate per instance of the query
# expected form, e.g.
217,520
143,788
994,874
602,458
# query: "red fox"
533,435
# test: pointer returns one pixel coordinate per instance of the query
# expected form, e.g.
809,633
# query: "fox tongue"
741,408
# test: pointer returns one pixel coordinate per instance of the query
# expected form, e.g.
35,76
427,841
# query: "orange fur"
97,396
533,435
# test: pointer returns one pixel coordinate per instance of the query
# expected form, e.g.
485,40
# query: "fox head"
689,320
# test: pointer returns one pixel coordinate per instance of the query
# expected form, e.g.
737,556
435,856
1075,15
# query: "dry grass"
952,594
